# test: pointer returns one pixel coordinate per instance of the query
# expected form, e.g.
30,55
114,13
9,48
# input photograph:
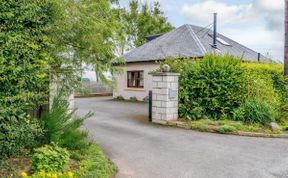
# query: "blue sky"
258,24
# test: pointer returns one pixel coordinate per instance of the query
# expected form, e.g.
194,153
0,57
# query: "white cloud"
201,13
269,5
258,25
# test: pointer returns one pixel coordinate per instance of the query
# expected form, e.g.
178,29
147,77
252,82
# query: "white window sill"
135,89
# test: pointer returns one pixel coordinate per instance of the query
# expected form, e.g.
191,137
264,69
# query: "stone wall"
165,97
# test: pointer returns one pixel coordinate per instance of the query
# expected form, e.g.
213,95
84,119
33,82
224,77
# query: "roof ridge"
195,37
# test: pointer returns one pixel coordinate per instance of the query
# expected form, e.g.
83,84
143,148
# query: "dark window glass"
135,79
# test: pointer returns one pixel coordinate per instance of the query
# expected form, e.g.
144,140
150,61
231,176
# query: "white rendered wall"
139,93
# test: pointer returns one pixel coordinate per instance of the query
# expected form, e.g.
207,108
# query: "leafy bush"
146,99
120,98
50,158
266,82
24,60
133,99
255,111
213,87
62,126
18,132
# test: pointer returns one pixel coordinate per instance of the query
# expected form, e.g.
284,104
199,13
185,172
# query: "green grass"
95,164
228,126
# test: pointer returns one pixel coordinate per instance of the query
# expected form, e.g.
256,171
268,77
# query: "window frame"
136,78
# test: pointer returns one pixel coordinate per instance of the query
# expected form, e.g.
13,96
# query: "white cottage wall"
139,93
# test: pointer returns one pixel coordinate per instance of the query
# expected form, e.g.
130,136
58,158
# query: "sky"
257,24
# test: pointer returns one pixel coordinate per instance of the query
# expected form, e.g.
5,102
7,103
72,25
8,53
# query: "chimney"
215,31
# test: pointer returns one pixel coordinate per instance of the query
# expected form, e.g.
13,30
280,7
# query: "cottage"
187,41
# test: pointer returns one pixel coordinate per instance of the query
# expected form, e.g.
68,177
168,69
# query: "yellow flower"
70,174
54,175
49,175
42,173
24,174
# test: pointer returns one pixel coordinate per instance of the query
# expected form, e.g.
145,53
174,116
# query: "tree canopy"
139,21
44,39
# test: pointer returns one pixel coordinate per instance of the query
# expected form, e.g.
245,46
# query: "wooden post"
286,40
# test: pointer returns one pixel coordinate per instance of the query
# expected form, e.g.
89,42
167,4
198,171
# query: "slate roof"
189,41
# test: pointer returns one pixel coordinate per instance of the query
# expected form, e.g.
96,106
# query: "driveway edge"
213,129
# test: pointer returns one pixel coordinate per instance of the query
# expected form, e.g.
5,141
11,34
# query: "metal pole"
150,106
286,40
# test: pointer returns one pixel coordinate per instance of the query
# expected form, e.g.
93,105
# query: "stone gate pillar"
165,96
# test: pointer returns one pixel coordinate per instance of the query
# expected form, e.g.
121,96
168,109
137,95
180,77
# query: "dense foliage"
213,87
255,111
267,84
218,87
50,158
45,42
19,133
23,53
62,126
24,70
139,21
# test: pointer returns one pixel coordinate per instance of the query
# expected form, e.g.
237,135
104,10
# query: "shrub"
62,126
18,132
267,83
255,111
133,99
146,99
213,87
120,98
50,158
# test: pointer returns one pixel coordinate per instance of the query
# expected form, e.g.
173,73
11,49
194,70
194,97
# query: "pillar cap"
165,74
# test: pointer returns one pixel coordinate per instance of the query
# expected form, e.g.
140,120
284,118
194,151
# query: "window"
135,79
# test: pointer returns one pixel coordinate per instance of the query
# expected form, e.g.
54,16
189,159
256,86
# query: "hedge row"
218,87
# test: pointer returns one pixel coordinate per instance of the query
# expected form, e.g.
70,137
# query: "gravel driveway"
144,150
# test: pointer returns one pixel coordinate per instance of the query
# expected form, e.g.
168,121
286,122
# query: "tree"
86,33
24,52
140,21
42,40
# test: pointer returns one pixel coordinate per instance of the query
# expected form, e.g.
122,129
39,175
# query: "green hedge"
216,87
24,70
213,87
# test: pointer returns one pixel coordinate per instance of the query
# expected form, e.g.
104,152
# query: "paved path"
143,150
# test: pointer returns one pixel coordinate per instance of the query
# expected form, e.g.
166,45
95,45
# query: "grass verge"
95,164
228,126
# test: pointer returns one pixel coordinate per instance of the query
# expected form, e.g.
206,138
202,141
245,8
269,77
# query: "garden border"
213,129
